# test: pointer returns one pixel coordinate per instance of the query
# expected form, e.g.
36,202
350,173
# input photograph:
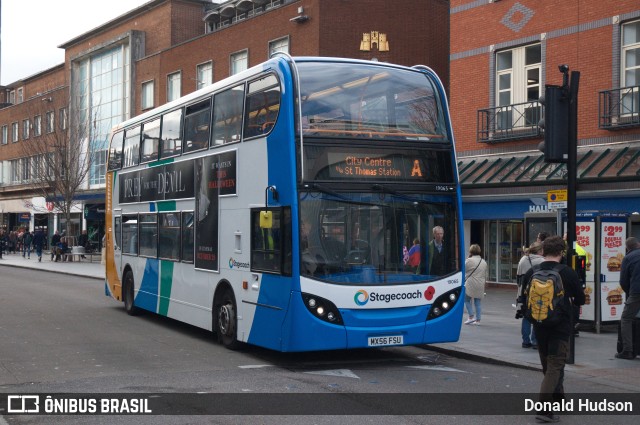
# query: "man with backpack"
630,283
551,291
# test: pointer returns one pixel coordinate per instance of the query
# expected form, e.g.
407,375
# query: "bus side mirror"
266,219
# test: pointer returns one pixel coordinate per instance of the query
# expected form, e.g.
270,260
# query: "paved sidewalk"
496,340
78,268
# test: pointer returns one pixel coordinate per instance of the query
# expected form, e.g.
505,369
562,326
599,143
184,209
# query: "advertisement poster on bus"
586,239
612,250
215,177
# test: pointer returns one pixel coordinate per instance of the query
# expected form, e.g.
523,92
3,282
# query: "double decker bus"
278,207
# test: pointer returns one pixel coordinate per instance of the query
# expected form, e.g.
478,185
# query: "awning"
603,163
13,206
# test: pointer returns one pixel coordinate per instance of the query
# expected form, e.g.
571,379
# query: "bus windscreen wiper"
322,189
385,189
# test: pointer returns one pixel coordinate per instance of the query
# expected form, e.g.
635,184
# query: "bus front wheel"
227,320
128,294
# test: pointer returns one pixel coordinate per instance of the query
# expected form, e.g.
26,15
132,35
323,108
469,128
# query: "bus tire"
226,320
128,294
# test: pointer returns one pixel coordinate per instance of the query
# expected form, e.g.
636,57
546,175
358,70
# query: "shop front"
503,228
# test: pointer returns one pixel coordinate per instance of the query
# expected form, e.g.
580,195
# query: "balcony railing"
619,108
510,122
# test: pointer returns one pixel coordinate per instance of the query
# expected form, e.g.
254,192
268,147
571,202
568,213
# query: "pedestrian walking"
630,283
531,258
27,239
553,335
475,279
38,243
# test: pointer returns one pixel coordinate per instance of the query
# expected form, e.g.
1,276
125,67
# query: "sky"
32,30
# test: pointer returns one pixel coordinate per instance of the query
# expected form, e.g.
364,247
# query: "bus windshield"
376,238
360,100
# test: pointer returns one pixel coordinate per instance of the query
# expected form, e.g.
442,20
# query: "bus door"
117,242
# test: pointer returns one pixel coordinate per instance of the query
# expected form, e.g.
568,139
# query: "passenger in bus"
438,257
414,257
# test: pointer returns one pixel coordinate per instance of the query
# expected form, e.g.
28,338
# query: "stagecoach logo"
361,297
233,263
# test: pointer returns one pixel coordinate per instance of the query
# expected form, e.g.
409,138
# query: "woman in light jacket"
475,278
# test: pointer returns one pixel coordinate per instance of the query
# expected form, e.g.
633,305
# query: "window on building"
26,125
12,96
25,168
20,95
101,99
518,82
37,165
280,45
147,94
174,82
15,171
63,118
14,132
50,117
239,61
5,134
37,125
204,75
631,68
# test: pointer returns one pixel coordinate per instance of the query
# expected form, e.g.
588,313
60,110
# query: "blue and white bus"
279,206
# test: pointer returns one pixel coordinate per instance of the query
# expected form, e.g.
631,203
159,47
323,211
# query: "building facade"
165,49
503,53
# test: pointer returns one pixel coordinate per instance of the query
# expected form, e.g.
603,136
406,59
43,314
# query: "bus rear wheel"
227,320
128,294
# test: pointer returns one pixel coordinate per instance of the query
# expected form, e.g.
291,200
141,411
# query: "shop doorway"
505,249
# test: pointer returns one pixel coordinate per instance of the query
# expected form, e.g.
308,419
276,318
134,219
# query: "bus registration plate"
380,341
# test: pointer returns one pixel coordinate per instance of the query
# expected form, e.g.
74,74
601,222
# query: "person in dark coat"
55,240
38,243
630,284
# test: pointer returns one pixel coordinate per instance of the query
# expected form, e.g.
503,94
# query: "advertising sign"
612,248
215,177
586,238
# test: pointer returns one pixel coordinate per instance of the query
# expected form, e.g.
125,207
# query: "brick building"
165,49
502,55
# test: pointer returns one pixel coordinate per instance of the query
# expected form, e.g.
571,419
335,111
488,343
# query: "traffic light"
555,123
580,266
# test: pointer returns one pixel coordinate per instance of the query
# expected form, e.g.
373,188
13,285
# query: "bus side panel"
147,296
271,311
305,332
113,286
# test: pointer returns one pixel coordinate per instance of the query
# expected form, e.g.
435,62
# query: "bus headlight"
323,309
444,303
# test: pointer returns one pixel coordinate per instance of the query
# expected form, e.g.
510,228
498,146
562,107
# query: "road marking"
438,368
345,373
254,366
